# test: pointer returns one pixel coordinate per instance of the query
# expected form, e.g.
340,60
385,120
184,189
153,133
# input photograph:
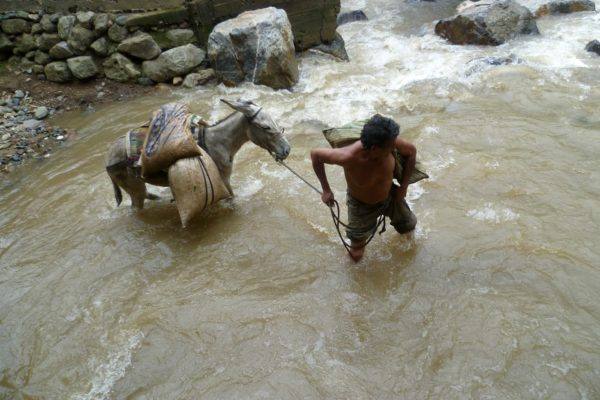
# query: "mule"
249,123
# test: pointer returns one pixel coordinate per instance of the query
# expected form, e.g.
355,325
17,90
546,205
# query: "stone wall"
52,6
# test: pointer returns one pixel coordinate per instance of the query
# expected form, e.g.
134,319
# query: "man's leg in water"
362,219
357,251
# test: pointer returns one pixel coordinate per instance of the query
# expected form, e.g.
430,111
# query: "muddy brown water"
495,296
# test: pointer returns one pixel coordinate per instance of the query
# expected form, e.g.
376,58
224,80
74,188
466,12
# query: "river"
495,296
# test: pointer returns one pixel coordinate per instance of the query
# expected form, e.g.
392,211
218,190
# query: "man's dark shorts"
362,217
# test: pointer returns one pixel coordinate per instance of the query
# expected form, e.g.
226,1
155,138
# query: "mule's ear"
246,107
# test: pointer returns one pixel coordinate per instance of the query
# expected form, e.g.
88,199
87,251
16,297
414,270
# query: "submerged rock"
489,24
565,7
337,48
257,46
172,63
593,46
351,16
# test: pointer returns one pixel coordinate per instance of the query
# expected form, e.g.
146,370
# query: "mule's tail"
118,193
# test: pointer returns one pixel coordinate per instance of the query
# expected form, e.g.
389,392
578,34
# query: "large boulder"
46,41
257,46
83,67
140,46
80,39
565,7
488,23
337,48
15,26
175,62
61,51
593,47
25,44
119,68
58,71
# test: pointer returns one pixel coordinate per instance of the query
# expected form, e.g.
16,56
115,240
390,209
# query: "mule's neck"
225,139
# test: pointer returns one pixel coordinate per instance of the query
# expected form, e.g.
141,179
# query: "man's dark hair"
378,131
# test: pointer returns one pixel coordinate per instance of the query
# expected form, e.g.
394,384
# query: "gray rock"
80,39
15,26
119,68
257,46
140,46
593,46
41,112
46,41
351,16
565,7
101,23
32,124
100,47
19,94
488,24
25,44
85,18
145,81
117,33
47,24
6,45
83,67
180,37
337,48
61,51
30,55
36,29
58,71
175,62
199,78
41,58
65,25
38,69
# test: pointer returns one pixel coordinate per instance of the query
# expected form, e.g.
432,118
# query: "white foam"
108,373
490,213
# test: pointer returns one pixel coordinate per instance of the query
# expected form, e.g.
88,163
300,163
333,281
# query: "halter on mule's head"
264,131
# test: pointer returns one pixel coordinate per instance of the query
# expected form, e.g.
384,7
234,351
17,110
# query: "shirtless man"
369,169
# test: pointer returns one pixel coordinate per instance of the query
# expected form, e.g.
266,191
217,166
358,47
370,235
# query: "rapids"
495,296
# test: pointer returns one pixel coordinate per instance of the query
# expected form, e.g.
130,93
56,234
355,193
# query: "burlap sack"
350,133
169,139
196,184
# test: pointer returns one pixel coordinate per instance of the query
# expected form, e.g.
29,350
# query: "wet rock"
41,113
351,16
100,47
491,23
117,33
337,48
175,62
6,45
83,67
65,25
42,58
25,44
140,46
15,26
85,18
199,78
565,7
80,39
119,68
61,51
593,46
263,39
58,71
101,23
47,24
47,40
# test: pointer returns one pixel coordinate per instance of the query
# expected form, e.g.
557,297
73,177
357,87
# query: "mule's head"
263,130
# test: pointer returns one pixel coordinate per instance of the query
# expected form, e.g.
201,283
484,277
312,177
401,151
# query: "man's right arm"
319,158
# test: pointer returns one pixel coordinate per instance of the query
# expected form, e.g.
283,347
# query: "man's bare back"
369,169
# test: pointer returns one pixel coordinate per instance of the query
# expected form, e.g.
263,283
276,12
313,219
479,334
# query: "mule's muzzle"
282,151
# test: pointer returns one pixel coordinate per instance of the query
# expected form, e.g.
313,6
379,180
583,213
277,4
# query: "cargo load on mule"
350,133
170,148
